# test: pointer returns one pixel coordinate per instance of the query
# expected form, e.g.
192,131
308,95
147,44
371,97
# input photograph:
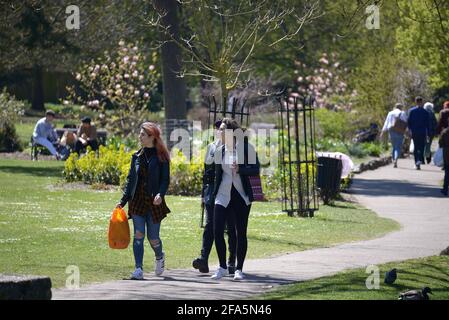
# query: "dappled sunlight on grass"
46,226
350,285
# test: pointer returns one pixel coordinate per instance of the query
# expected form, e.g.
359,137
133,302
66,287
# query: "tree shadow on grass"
34,171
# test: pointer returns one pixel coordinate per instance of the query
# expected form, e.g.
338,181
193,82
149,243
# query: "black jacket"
158,176
245,170
209,176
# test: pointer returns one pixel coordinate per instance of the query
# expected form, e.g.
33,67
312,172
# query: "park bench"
38,149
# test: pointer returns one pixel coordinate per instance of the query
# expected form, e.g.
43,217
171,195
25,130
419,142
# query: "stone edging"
373,164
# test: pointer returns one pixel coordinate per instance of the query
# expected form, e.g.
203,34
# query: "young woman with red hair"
146,186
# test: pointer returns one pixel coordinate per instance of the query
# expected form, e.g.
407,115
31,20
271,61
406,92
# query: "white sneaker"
160,265
220,273
238,275
137,274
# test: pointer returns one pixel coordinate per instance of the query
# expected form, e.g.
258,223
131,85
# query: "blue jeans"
153,236
419,142
396,140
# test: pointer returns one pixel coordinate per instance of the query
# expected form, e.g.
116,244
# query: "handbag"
399,125
256,186
118,234
438,158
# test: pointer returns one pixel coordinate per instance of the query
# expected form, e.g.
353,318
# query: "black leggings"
237,209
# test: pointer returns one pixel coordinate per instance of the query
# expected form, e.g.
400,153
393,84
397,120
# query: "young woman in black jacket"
235,161
146,186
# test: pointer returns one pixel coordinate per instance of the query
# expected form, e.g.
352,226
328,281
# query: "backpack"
399,125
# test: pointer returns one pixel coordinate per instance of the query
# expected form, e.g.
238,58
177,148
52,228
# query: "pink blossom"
126,76
142,87
300,79
125,59
146,95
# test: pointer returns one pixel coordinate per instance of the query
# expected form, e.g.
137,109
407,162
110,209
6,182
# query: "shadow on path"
393,188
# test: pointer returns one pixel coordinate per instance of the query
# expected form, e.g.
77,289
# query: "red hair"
152,129
446,105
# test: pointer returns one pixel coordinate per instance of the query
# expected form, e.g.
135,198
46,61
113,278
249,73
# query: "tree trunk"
174,87
37,102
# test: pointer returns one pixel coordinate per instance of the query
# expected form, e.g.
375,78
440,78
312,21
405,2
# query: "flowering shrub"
326,83
10,111
111,166
186,178
118,87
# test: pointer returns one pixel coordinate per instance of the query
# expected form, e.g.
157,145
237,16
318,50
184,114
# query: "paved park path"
406,195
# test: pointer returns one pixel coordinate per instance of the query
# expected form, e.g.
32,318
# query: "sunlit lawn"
413,274
46,226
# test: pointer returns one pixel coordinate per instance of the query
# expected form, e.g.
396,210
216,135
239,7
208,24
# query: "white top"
44,129
210,153
229,179
391,118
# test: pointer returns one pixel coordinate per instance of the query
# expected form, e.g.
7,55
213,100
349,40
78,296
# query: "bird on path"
391,276
416,294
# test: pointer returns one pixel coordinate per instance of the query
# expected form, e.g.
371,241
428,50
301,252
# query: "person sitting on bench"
45,135
87,136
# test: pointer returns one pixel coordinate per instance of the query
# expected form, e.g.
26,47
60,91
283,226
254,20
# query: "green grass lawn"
46,226
413,274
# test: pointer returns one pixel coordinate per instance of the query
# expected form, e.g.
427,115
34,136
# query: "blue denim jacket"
158,177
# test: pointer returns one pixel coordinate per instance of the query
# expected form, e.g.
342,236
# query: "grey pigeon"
391,276
416,294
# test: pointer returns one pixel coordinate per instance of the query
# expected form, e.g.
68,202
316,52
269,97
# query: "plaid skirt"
142,203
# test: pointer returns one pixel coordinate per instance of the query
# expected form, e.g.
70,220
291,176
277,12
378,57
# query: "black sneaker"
444,192
231,269
428,159
201,265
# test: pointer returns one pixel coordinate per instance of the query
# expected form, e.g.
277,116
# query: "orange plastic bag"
118,234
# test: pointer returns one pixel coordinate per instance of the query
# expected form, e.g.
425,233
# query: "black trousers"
446,178
419,144
79,145
208,236
237,209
